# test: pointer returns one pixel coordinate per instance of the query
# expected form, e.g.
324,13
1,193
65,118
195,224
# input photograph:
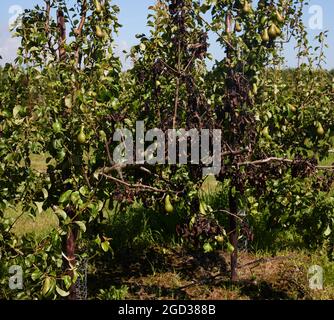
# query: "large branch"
78,31
62,34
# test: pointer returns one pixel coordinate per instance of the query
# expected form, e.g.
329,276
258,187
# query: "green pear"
278,30
168,206
81,136
237,27
98,6
292,108
272,32
279,17
99,32
320,130
247,7
265,35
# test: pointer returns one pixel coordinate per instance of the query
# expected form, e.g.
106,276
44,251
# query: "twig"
134,186
275,159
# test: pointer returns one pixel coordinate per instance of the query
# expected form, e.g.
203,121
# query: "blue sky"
133,18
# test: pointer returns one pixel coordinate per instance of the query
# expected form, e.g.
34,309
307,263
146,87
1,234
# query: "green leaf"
207,247
46,286
61,292
82,225
105,246
39,206
45,193
327,232
67,281
61,213
16,111
36,275
65,196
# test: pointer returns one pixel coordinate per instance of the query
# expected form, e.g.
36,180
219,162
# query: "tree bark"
233,236
62,34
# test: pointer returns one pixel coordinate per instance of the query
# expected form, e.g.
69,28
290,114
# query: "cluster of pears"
273,31
98,31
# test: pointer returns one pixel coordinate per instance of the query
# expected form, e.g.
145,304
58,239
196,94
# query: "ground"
161,273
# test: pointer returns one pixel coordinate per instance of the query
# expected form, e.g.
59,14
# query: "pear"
247,7
272,32
98,6
279,17
265,35
168,206
320,130
99,32
81,136
237,27
278,31
292,108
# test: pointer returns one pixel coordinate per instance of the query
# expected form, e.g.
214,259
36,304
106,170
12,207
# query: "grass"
25,223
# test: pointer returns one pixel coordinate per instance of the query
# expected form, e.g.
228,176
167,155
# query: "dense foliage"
66,95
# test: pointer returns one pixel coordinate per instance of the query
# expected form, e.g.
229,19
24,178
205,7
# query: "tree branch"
78,32
133,186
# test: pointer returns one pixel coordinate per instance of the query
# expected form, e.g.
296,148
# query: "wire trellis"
81,288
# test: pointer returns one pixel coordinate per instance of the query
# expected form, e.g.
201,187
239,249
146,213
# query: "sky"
318,17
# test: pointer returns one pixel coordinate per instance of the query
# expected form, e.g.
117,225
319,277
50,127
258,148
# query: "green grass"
24,223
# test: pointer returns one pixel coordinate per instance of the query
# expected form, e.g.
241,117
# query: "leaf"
46,286
61,292
16,111
105,246
142,46
65,196
68,101
207,247
67,281
82,225
45,193
36,275
61,213
39,206
327,232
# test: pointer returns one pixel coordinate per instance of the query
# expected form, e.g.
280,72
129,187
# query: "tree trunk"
62,34
69,248
233,236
